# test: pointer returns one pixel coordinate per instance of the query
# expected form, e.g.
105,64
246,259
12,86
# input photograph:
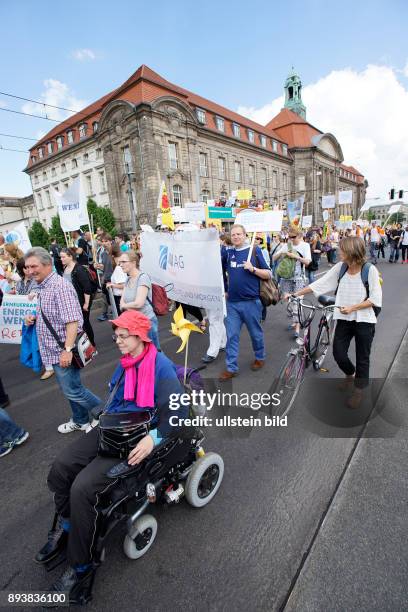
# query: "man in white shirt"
374,242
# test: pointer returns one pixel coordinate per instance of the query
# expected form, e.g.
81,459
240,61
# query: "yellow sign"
244,194
212,222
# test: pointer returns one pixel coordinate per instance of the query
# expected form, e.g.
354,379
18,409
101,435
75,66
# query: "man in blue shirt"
242,284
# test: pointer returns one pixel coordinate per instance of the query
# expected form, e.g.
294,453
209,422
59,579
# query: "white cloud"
3,104
56,94
367,112
405,70
84,55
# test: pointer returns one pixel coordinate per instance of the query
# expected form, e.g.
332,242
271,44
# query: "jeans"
394,252
404,252
363,333
154,333
373,251
9,431
80,398
238,313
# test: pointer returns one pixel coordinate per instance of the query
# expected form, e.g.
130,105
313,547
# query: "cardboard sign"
345,197
307,221
12,313
328,201
244,194
260,221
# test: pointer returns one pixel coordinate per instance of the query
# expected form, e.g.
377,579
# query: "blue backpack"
364,279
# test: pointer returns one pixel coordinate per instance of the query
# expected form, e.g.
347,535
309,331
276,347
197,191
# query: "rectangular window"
221,168
251,136
86,158
63,167
127,159
263,141
173,155
70,136
53,172
82,130
48,197
60,142
251,173
301,183
236,130
102,181
74,164
219,121
40,153
237,171
200,115
89,184
203,158
66,185
36,179
49,147
274,180
44,176
284,181
33,159
274,146
98,153
263,177
39,201
284,149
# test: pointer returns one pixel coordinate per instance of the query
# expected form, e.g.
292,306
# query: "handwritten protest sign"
266,221
12,313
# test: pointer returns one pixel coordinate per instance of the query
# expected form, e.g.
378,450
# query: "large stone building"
15,210
149,130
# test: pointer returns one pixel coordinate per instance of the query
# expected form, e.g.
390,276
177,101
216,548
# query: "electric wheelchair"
177,467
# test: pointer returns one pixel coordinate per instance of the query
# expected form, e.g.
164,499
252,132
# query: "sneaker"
5,450
71,426
91,425
5,403
207,359
102,317
21,439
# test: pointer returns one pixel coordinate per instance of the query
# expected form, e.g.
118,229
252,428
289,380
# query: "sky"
351,57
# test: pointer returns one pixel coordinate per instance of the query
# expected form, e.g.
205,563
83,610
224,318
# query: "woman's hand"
141,450
286,296
29,320
346,309
248,266
85,307
292,255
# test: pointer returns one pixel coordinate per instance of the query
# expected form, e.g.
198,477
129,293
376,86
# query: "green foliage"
38,235
56,231
102,217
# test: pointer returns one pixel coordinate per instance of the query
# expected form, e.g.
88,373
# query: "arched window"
95,126
82,130
205,196
60,142
177,195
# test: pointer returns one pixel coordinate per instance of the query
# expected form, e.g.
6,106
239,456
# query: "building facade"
149,130
15,210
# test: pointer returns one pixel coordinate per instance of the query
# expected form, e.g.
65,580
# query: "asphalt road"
243,550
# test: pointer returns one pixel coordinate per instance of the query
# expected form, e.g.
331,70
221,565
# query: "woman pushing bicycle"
357,287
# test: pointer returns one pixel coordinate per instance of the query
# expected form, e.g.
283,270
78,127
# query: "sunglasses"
293,237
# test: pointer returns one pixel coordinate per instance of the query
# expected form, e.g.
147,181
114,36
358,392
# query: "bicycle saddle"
327,300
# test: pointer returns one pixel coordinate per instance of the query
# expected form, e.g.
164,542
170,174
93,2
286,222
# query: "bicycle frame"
305,323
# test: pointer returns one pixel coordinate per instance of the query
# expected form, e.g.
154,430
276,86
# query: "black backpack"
364,279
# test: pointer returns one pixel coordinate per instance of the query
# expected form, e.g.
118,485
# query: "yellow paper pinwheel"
182,328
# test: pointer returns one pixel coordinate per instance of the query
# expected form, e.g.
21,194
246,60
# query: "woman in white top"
354,311
404,245
118,278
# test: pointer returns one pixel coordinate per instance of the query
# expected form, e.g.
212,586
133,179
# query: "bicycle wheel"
288,383
325,341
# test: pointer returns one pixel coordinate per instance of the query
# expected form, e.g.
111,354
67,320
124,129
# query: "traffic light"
392,194
400,194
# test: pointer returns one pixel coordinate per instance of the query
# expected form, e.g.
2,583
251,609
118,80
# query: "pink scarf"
140,379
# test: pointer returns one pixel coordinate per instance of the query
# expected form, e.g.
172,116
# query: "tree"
56,231
102,217
38,235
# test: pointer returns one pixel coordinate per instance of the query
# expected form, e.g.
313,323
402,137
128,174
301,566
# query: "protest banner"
345,197
328,201
188,264
164,205
13,310
219,212
294,211
19,236
307,221
71,207
194,212
260,221
244,194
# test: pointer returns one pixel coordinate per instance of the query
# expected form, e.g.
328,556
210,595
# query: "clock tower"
293,94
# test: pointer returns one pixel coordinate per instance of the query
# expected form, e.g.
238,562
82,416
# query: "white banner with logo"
328,201
188,264
13,310
71,207
345,197
263,221
19,236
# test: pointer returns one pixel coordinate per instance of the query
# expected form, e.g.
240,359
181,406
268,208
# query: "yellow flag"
167,217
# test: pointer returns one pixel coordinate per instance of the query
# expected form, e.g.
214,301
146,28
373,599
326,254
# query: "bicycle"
301,356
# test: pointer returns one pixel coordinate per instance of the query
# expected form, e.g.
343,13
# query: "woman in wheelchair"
143,381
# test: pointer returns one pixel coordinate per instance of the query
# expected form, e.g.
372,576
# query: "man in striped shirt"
58,301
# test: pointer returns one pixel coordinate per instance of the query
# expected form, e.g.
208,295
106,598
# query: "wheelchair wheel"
141,537
204,480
